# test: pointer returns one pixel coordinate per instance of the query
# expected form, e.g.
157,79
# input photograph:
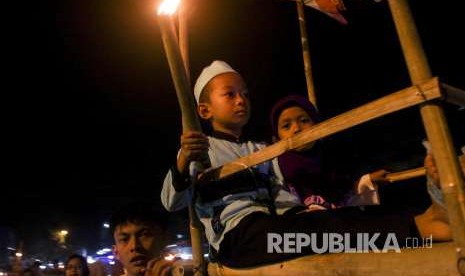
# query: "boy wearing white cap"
222,98
240,212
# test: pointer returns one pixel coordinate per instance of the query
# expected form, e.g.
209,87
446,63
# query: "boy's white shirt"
237,206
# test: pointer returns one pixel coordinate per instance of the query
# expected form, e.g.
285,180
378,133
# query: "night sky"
92,113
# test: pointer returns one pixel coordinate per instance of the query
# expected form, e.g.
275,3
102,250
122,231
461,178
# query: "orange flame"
168,7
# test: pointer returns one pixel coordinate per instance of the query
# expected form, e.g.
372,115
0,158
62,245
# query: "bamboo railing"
451,256
440,259
396,101
425,92
437,131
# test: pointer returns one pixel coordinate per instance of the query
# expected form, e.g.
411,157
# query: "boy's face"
135,245
229,106
293,120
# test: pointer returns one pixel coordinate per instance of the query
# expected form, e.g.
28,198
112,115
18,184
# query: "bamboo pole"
404,175
184,38
435,125
178,74
195,228
190,120
388,104
306,52
416,172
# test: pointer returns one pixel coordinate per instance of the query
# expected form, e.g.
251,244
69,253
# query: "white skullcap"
217,67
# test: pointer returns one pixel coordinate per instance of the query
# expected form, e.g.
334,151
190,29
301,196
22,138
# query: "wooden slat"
375,109
436,261
404,175
416,172
454,95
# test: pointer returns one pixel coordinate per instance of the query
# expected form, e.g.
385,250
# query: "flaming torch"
186,102
178,72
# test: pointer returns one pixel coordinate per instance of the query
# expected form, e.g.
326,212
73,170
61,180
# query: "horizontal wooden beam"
454,95
416,172
435,261
391,103
407,174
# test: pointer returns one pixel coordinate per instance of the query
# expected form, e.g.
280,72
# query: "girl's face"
74,267
293,120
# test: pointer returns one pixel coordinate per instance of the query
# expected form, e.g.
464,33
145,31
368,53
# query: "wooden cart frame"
426,92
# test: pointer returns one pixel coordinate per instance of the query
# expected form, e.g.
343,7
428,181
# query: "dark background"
93,120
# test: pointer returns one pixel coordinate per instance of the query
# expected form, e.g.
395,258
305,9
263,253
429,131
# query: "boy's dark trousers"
246,245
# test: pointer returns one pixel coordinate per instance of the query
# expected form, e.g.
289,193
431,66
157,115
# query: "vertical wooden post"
434,121
306,53
195,228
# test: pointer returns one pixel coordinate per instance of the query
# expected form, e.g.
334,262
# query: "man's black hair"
139,212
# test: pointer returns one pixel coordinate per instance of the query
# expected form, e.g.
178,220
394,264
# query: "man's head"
139,234
222,98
